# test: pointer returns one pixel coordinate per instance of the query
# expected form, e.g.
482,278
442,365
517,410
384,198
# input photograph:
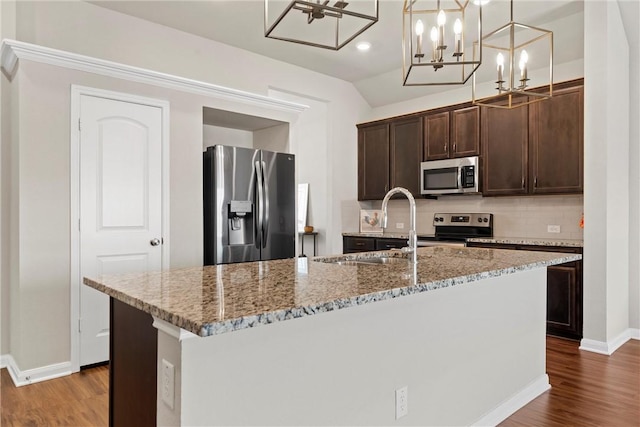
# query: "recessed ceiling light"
363,46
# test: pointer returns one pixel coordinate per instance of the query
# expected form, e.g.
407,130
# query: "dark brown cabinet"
451,134
564,290
505,141
352,244
373,161
535,149
389,155
436,136
556,142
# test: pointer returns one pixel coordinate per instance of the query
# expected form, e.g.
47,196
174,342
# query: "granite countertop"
530,241
212,300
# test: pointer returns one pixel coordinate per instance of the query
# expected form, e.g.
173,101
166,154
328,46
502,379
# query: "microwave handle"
460,172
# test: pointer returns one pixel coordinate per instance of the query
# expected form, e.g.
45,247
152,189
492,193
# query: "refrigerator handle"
259,203
265,206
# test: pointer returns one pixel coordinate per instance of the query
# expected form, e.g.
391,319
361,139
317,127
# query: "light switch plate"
399,225
553,228
168,383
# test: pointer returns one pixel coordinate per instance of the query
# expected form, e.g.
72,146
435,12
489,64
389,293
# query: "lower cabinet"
564,290
351,244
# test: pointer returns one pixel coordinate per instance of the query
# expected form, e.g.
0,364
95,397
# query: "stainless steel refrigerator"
249,205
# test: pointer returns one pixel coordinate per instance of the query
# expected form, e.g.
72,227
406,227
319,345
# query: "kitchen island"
311,341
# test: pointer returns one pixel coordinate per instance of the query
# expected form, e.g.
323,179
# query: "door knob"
154,242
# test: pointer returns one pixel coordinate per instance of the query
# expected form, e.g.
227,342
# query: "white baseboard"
609,347
4,361
31,376
519,400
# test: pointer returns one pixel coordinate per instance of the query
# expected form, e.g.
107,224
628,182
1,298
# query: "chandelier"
445,58
318,23
523,59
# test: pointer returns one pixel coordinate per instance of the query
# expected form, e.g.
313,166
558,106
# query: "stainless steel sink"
369,261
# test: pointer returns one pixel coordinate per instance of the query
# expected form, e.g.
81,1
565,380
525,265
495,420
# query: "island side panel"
133,351
462,351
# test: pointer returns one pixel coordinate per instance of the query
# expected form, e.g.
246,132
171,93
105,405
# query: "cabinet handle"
535,182
454,147
523,182
446,148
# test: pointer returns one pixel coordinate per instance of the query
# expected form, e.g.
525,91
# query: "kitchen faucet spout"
413,238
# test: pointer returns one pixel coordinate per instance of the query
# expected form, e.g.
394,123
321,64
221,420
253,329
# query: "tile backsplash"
513,216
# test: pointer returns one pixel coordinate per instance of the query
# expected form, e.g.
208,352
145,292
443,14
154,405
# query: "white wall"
274,138
606,237
39,329
311,144
212,135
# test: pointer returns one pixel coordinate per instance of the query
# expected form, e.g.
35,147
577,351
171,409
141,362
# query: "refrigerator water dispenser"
240,222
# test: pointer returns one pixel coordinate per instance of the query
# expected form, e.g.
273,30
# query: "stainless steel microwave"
451,176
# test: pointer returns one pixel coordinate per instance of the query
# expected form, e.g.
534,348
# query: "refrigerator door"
232,232
279,211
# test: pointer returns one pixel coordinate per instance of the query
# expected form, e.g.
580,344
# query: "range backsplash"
513,216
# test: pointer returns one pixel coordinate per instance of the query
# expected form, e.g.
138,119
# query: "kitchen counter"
386,235
530,241
213,300
341,339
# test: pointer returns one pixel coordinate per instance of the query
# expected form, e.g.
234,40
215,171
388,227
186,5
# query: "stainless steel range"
452,229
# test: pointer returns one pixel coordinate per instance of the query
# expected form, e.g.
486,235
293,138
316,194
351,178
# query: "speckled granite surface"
217,299
529,241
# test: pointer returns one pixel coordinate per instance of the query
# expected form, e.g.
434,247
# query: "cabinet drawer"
358,244
384,244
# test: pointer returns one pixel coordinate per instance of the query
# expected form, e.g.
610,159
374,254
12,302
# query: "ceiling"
377,73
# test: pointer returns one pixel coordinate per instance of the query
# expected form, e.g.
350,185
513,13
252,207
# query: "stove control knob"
486,220
479,219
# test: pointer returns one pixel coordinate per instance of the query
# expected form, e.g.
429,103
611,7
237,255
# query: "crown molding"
11,51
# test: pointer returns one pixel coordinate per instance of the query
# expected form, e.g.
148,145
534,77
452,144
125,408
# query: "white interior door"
120,205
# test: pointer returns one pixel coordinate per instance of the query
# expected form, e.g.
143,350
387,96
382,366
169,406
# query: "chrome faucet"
413,238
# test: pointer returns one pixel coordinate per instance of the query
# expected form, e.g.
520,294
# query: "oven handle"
431,243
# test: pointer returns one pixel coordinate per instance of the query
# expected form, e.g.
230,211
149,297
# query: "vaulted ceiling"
377,73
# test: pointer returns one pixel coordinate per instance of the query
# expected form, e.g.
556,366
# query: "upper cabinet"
505,141
535,149
406,152
454,133
373,161
389,155
556,142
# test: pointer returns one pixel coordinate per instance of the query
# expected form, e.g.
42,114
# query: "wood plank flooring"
80,399
587,390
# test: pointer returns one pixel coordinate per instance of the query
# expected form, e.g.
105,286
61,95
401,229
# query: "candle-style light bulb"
442,19
500,61
457,31
524,58
434,41
419,31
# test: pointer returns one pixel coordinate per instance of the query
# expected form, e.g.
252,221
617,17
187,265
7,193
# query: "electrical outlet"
399,225
168,383
553,228
402,402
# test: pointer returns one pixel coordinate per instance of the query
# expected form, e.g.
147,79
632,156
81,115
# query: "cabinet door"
562,310
465,132
436,136
556,143
406,154
373,162
504,147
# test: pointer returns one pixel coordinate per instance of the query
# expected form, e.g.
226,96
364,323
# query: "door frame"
74,165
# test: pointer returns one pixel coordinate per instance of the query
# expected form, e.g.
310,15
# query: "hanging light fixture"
318,23
447,60
525,47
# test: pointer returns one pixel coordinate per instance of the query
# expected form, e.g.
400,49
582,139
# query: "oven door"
440,180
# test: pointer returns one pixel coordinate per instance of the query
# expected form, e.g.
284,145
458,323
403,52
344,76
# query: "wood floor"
587,390
80,399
